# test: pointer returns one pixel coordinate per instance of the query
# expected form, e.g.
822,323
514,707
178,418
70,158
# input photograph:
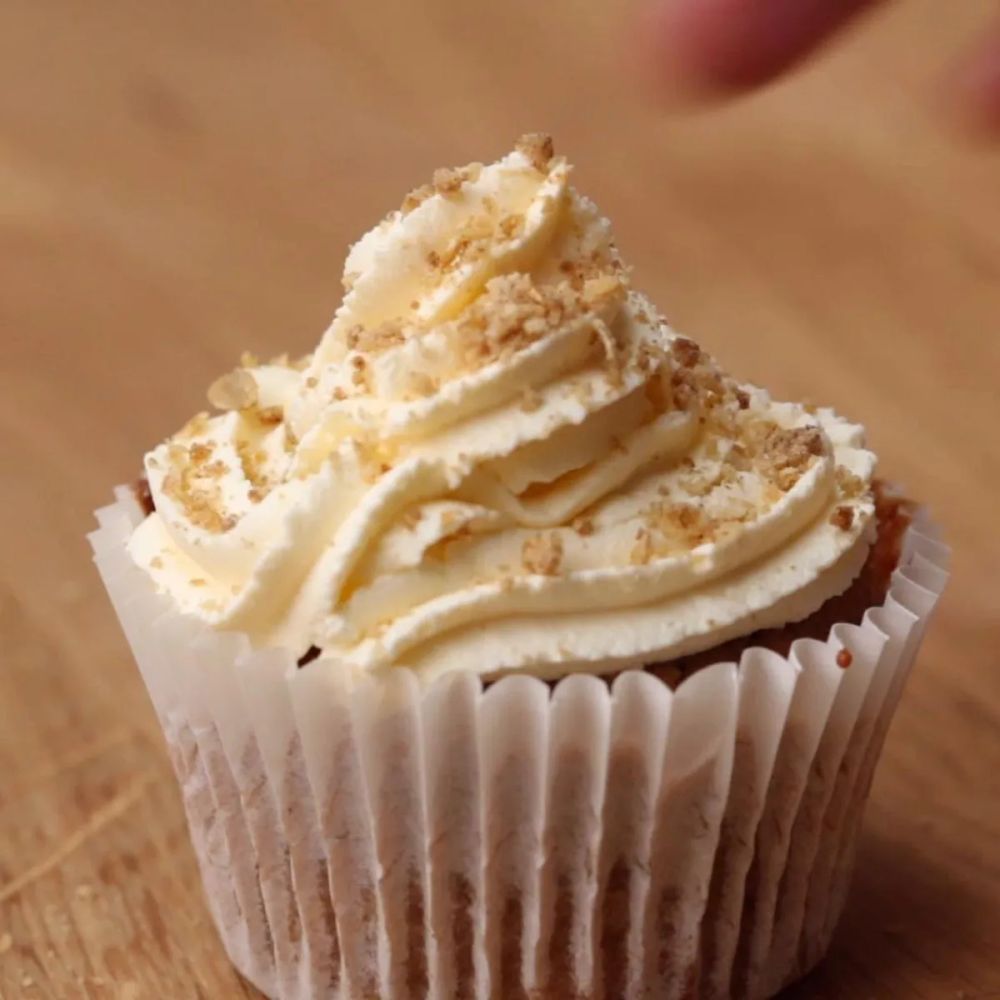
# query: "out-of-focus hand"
713,48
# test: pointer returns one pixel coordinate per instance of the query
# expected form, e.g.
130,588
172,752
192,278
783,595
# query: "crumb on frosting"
389,333
849,485
513,312
359,371
448,181
200,500
510,226
686,351
542,554
843,517
510,314
538,148
416,198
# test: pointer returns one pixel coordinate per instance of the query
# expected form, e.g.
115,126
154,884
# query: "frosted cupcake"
507,646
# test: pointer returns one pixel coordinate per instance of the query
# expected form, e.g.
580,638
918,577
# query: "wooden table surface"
179,181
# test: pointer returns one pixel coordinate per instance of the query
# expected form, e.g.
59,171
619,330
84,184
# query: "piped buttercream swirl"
499,457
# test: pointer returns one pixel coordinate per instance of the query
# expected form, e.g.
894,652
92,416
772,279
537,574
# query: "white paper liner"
390,839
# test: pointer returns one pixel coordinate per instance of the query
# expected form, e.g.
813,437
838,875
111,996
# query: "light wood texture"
179,180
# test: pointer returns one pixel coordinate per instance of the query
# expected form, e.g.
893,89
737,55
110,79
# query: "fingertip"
972,95
669,67
705,49
690,55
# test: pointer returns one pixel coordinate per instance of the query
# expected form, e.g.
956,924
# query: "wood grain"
178,182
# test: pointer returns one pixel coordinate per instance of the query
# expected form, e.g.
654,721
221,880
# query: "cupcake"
507,646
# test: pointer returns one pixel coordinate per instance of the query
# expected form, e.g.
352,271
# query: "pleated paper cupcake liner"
382,838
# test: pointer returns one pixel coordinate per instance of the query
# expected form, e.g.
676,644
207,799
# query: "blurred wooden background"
179,181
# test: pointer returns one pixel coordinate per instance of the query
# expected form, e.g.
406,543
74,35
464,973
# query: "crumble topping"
686,351
843,518
193,485
669,528
380,338
513,312
786,453
448,181
538,148
510,226
849,485
542,554
673,486
416,198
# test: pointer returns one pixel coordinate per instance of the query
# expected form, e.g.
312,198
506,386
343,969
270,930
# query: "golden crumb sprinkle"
416,198
359,371
448,181
511,226
583,526
538,148
379,338
249,360
798,444
849,485
201,452
542,554
236,390
781,454
686,351
843,518
253,461
270,415
668,528
200,506
510,315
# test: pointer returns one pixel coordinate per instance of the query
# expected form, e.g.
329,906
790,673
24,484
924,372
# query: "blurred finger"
714,47
976,87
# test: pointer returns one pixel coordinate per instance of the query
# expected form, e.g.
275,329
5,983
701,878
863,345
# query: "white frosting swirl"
500,458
